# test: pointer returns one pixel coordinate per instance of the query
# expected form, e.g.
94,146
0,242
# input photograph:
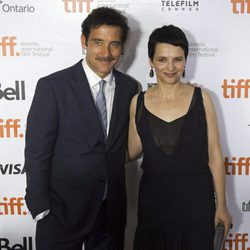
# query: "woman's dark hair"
167,34
105,16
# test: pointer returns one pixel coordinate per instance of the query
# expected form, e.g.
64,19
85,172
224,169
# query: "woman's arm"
216,164
134,142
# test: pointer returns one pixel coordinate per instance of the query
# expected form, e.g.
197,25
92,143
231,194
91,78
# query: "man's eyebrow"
118,42
96,39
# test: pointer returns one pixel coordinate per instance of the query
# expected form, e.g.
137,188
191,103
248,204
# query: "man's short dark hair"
105,16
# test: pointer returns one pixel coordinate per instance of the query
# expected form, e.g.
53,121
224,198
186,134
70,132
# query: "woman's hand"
223,216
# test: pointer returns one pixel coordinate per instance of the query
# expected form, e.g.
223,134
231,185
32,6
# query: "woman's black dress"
176,196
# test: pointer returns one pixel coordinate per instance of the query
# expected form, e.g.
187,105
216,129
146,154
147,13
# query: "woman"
175,126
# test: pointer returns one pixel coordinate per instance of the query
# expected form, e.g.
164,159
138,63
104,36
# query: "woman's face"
168,63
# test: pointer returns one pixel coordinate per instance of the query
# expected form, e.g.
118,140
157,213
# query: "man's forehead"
110,31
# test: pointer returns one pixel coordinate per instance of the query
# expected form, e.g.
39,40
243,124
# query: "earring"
184,73
151,72
83,52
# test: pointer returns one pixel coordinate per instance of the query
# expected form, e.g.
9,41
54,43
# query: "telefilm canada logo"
26,244
16,7
240,6
175,6
15,93
11,47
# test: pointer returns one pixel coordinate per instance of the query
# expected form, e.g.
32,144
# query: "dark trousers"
49,236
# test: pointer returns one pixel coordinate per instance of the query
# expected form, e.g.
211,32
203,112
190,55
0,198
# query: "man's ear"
83,42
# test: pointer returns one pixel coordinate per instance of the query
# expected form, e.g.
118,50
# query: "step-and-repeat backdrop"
38,37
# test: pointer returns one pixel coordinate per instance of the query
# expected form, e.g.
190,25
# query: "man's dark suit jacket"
66,159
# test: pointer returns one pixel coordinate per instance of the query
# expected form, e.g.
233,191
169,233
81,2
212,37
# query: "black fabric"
67,159
166,134
51,236
176,196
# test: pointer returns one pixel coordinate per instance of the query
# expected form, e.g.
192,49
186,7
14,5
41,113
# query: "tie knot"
102,84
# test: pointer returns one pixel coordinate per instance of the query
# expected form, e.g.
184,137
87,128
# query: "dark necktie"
101,107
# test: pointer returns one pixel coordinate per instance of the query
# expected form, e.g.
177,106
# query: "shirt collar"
94,79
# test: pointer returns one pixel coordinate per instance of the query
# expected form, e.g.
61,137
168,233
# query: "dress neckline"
176,119
191,105
167,122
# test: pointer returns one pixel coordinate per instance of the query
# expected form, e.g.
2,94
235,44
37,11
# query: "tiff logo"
7,46
10,128
236,90
236,242
241,6
12,206
246,206
240,166
73,5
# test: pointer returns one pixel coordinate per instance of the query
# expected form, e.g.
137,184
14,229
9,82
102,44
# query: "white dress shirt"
109,89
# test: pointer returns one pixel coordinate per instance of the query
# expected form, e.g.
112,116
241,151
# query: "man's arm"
41,133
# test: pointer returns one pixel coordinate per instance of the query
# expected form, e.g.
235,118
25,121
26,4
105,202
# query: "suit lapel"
84,96
116,110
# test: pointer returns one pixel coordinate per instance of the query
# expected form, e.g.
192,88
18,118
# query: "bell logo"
27,244
241,6
240,166
7,46
10,128
73,6
236,242
17,93
236,90
12,206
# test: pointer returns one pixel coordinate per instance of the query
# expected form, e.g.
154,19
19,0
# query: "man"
75,144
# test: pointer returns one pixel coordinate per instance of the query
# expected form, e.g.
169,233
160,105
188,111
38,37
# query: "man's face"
103,48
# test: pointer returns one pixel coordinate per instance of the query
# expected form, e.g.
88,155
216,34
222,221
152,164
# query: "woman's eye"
161,60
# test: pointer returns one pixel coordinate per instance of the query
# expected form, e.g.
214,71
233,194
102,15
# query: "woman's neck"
168,91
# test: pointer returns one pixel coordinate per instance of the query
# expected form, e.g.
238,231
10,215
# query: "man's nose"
106,51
